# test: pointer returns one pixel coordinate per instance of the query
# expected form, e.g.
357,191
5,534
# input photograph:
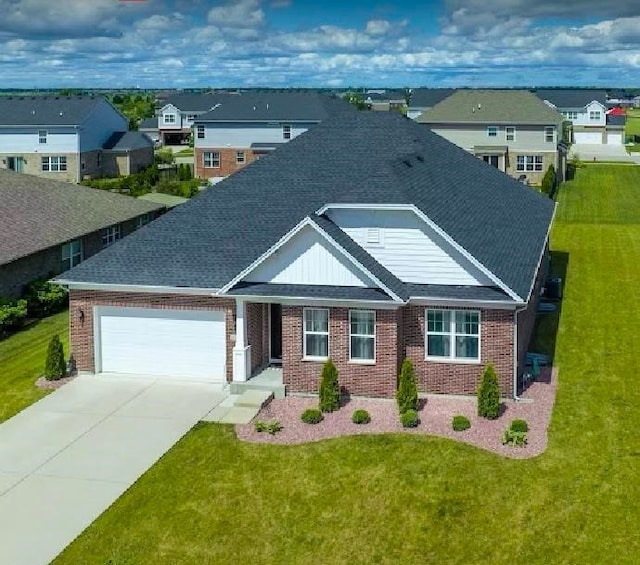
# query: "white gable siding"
243,135
408,247
170,109
310,260
99,125
26,140
583,118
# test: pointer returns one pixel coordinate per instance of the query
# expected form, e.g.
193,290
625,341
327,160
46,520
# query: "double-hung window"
362,335
453,335
286,132
211,160
169,118
492,131
240,157
200,132
42,136
54,164
110,235
594,116
529,163
71,254
510,133
549,134
316,333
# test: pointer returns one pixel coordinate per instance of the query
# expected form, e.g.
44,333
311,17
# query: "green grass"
22,358
188,152
396,499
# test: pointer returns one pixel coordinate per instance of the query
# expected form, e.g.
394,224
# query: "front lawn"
22,358
396,499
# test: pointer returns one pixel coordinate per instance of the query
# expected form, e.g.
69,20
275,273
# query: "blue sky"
221,43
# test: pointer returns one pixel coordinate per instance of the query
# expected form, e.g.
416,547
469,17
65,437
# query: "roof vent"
267,105
61,113
254,108
33,112
473,110
479,106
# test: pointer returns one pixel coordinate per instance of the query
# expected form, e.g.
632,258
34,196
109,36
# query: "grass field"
397,499
22,358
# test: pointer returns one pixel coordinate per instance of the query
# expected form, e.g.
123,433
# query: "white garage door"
589,137
614,138
183,344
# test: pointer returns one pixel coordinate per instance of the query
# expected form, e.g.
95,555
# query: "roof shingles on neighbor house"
46,110
367,223
206,242
572,97
491,106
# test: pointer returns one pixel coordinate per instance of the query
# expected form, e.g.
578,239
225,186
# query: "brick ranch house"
48,226
406,246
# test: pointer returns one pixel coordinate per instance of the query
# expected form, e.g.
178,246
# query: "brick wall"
496,346
258,334
228,164
370,380
82,330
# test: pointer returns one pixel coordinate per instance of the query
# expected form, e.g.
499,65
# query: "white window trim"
507,131
70,254
548,129
533,164
200,132
244,158
42,134
493,128
375,341
286,131
306,357
452,335
204,159
166,120
60,159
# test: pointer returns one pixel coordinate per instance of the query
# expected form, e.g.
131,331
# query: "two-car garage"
180,344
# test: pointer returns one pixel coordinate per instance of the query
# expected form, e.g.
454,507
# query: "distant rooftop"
572,97
46,110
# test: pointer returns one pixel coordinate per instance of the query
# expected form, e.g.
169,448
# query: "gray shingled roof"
572,98
613,120
429,97
127,141
491,107
197,102
149,123
357,157
46,110
276,106
39,213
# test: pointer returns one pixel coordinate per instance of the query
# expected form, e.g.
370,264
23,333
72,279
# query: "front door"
16,164
275,332
492,160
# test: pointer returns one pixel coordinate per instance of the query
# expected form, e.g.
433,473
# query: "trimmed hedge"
519,426
312,416
460,423
360,417
409,419
55,367
45,298
407,394
489,394
329,392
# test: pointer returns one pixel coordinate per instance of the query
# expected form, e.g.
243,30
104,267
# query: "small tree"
407,394
55,367
489,394
329,388
549,180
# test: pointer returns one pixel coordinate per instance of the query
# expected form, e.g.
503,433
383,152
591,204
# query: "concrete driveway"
68,457
588,152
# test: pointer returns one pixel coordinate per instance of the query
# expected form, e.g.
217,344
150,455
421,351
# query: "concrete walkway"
68,457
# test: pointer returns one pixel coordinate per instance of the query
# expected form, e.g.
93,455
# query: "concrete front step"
240,388
254,398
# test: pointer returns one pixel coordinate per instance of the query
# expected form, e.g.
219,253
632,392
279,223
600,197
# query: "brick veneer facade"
81,330
228,164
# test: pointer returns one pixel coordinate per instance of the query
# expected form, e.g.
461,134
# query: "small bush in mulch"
511,437
361,417
519,426
329,391
409,419
460,423
272,427
312,416
489,394
55,367
407,394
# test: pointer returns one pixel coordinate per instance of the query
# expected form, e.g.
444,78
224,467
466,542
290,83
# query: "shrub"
512,437
312,416
11,316
519,426
329,388
55,367
45,298
360,417
272,427
489,394
409,419
548,181
460,423
407,394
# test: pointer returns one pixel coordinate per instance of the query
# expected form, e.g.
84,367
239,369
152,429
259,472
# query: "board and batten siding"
308,259
243,135
27,140
408,247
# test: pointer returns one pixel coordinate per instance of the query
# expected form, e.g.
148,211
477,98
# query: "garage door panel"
588,137
177,343
614,139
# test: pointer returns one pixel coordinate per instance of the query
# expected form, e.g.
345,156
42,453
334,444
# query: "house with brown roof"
48,226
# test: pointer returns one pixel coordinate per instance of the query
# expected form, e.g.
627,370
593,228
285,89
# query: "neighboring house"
63,138
615,129
149,126
167,200
244,127
585,109
512,130
422,99
367,240
126,153
177,115
48,226
386,100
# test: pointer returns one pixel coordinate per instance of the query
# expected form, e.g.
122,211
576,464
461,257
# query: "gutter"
515,353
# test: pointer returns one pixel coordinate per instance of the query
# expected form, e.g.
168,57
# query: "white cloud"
237,14
378,27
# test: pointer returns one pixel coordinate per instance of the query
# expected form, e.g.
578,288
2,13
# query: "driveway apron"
67,458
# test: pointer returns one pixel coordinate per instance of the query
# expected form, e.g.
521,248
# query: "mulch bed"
43,383
436,413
